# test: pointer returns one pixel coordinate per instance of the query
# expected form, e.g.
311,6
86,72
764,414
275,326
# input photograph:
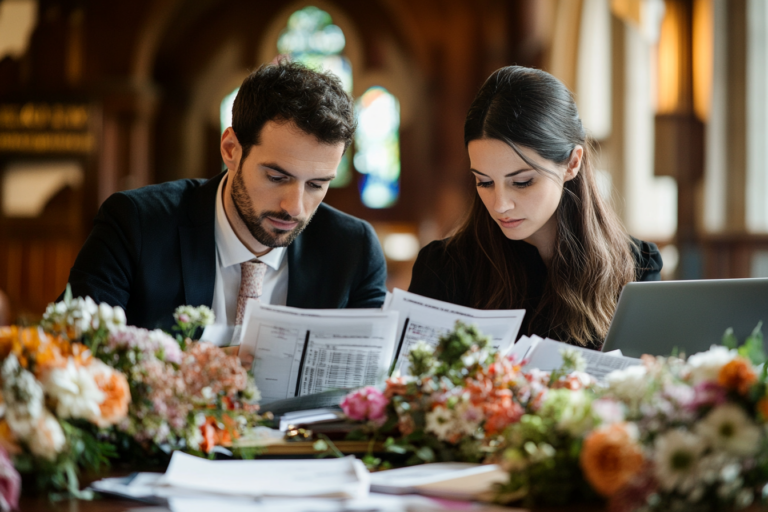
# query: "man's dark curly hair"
288,91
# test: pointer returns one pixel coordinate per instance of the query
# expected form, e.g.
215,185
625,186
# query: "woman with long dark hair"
539,236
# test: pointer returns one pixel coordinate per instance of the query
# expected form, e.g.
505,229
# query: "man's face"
277,188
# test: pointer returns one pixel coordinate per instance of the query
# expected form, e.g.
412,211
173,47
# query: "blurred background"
100,96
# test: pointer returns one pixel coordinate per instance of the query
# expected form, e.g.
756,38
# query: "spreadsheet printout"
298,352
425,319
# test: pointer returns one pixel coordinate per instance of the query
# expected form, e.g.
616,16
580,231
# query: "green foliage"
86,451
752,348
326,448
545,465
422,359
455,346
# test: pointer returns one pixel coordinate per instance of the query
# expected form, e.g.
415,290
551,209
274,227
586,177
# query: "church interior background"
101,96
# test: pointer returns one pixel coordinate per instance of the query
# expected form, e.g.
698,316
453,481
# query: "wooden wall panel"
33,272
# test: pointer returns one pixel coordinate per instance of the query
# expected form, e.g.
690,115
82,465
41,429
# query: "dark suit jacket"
441,273
153,249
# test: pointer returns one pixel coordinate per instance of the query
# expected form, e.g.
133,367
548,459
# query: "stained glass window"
377,147
225,111
312,39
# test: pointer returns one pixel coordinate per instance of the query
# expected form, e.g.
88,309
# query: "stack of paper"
299,352
424,319
188,475
545,354
454,480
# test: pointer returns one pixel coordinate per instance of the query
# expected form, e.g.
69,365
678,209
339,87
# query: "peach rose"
610,458
117,394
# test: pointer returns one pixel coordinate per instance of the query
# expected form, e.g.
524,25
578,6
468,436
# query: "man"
247,232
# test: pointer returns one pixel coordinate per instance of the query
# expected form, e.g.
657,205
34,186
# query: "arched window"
377,147
311,37
225,111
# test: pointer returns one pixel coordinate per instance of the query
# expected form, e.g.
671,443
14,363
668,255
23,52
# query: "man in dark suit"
188,241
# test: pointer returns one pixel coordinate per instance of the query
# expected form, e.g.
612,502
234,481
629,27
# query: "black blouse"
436,275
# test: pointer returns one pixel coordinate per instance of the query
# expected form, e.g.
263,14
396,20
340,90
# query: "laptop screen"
690,316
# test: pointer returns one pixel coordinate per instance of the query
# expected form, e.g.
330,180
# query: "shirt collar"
231,249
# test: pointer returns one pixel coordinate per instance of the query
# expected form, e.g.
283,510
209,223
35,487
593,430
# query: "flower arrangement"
670,434
456,403
693,435
84,388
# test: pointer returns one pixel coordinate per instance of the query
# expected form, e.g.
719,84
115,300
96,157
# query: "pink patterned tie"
252,277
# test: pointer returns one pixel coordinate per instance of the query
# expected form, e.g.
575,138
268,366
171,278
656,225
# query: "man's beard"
254,222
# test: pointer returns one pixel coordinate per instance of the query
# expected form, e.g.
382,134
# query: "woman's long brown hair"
592,258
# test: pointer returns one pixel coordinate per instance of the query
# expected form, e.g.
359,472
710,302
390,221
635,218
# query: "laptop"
690,316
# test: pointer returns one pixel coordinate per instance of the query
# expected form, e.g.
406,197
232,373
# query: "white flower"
474,357
573,360
105,313
20,422
576,417
607,411
118,318
705,366
728,427
676,457
22,393
202,315
629,384
206,315
467,417
75,391
440,422
47,438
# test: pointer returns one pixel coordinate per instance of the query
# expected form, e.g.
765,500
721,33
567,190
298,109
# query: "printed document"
298,352
425,319
544,354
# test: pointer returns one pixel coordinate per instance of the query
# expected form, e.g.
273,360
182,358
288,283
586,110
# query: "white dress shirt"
230,253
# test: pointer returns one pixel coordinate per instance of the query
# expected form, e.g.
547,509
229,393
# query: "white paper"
340,478
300,352
544,354
372,503
309,416
218,334
457,480
425,319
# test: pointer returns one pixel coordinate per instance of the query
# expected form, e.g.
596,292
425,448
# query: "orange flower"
31,344
405,424
737,375
215,435
762,408
7,439
395,386
610,458
117,394
500,412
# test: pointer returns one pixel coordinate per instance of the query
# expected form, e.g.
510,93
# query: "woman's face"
519,198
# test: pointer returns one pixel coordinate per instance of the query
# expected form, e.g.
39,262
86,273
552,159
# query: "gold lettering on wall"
45,128
46,142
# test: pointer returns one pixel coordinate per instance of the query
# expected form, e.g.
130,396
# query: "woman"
538,237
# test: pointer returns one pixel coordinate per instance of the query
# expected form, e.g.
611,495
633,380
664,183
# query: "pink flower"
707,394
364,404
10,483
